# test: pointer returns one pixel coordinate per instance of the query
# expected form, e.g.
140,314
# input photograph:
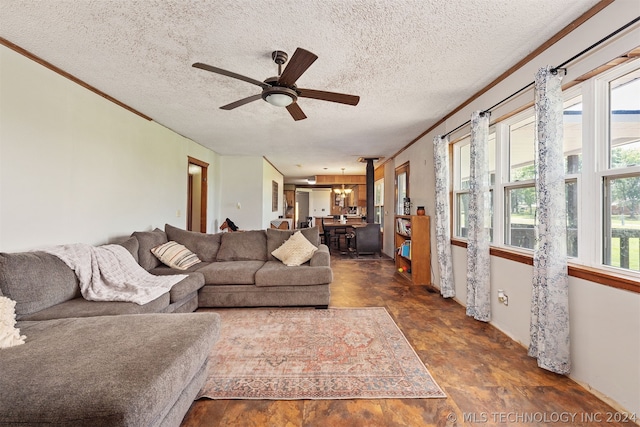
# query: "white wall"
605,322
245,195
320,202
75,167
241,179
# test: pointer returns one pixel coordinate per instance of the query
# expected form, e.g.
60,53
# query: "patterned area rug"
338,353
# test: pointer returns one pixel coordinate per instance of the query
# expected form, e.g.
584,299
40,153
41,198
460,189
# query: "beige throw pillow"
295,251
175,255
9,334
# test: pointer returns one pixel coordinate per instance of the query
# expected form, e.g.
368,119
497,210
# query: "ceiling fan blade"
329,96
241,102
296,112
298,64
230,74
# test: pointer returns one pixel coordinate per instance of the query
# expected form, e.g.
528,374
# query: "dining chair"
340,233
331,236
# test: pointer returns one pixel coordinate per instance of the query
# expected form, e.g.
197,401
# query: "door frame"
203,194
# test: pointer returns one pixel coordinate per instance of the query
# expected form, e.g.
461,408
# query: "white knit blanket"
110,273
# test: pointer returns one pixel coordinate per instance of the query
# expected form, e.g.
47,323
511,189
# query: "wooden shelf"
419,266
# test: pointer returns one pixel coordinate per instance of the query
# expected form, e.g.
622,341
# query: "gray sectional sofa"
239,270
123,364
98,363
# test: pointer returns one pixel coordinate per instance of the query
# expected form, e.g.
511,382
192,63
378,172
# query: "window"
378,202
462,173
622,222
624,120
520,216
621,181
602,174
520,192
521,150
572,132
402,188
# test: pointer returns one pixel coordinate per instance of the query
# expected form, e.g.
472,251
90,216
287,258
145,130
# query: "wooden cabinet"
413,231
340,179
290,199
362,196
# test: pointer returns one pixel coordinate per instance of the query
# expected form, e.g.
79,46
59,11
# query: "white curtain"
478,222
550,299
443,222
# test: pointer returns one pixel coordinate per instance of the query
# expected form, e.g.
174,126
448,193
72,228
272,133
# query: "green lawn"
634,253
617,222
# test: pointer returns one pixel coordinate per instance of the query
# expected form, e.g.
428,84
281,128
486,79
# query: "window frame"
378,204
604,170
402,169
457,189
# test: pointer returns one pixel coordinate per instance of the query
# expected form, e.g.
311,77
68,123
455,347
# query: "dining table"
337,228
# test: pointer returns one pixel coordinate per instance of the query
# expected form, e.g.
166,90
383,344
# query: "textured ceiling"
410,61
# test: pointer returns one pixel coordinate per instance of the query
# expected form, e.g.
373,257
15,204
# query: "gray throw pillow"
147,241
132,245
205,246
243,246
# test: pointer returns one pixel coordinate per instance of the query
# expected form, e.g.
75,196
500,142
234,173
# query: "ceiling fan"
282,91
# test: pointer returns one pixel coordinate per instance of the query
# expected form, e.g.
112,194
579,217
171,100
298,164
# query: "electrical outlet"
502,297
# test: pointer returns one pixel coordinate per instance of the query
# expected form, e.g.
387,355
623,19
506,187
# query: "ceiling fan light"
279,96
279,99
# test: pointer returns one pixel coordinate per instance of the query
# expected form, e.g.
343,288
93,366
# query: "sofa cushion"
204,245
36,280
132,245
276,237
148,240
266,296
243,246
175,255
231,272
103,371
163,270
295,251
190,284
275,273
80,307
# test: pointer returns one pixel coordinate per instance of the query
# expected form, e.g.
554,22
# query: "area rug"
337,353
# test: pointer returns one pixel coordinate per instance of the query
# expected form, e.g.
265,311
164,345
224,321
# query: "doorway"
197,195
302,207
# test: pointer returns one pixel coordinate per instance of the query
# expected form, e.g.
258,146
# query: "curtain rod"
573,58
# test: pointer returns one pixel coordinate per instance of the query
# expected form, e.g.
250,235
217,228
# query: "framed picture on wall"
274,196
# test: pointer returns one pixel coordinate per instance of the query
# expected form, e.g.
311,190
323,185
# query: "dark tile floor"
488,378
